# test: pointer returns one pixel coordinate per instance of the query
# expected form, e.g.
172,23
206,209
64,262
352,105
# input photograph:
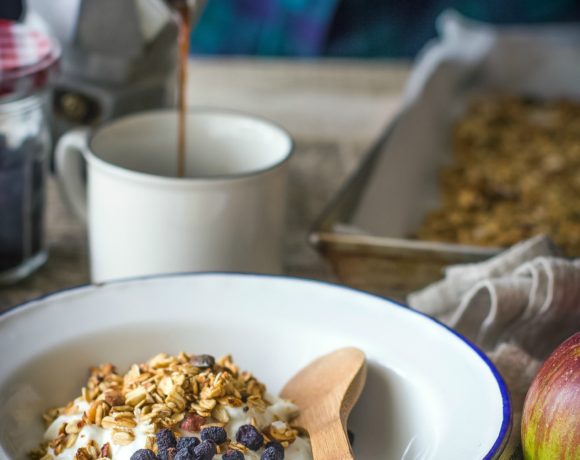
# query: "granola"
514,175
118,414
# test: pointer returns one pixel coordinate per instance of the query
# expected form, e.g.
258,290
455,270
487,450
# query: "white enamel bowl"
429,393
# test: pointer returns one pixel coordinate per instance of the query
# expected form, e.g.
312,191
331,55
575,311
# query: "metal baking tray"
384,265
364,231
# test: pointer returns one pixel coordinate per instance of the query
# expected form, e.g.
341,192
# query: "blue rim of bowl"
506,421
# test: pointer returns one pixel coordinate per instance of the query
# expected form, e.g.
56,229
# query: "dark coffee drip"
183,10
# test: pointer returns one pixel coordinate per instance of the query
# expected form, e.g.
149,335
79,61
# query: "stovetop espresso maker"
118,56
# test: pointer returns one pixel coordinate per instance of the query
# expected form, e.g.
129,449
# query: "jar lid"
26,58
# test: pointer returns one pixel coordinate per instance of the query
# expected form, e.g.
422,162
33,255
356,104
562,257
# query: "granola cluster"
183,392
515,174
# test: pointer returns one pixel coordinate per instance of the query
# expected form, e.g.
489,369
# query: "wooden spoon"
325,391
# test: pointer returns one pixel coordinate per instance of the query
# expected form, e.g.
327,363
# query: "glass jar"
24,149
27,58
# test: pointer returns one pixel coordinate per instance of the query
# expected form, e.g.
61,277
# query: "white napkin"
517,307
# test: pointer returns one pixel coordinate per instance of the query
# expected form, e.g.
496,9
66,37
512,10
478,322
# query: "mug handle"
69,167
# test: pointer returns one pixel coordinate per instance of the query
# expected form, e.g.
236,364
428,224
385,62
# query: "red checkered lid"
26,58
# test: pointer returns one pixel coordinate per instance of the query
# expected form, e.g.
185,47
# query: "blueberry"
188,443
205,451
184,454
144,454
250,437
277,446
233,455
214,433
272,453
203,361
165,440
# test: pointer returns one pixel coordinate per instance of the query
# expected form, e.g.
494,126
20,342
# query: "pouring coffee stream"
188,12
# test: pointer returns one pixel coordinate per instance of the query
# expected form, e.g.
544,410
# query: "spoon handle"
331,442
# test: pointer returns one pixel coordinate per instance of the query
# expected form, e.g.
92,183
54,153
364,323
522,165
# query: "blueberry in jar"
24,146
22,172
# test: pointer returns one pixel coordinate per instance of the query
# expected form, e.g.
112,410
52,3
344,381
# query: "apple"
551,417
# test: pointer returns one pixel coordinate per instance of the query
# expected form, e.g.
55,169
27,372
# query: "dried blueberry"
165,440
203,361
144,454
205,451
214,433
250,437
272,453
276,445
233,455
188,443
184,454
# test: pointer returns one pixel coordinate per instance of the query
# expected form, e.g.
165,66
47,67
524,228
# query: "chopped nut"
281,432
193,422
83,454
114,398
106,450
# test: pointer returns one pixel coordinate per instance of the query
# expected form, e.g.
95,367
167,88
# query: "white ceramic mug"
227,214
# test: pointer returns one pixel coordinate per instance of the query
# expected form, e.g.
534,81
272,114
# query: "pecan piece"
193,422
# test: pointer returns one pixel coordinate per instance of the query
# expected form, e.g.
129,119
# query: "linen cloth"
517,306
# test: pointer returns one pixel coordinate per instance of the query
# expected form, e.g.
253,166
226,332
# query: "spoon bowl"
326,391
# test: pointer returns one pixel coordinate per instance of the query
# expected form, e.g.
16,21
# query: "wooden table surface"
333,109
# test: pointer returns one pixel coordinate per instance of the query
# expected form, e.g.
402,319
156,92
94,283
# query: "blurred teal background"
351,28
